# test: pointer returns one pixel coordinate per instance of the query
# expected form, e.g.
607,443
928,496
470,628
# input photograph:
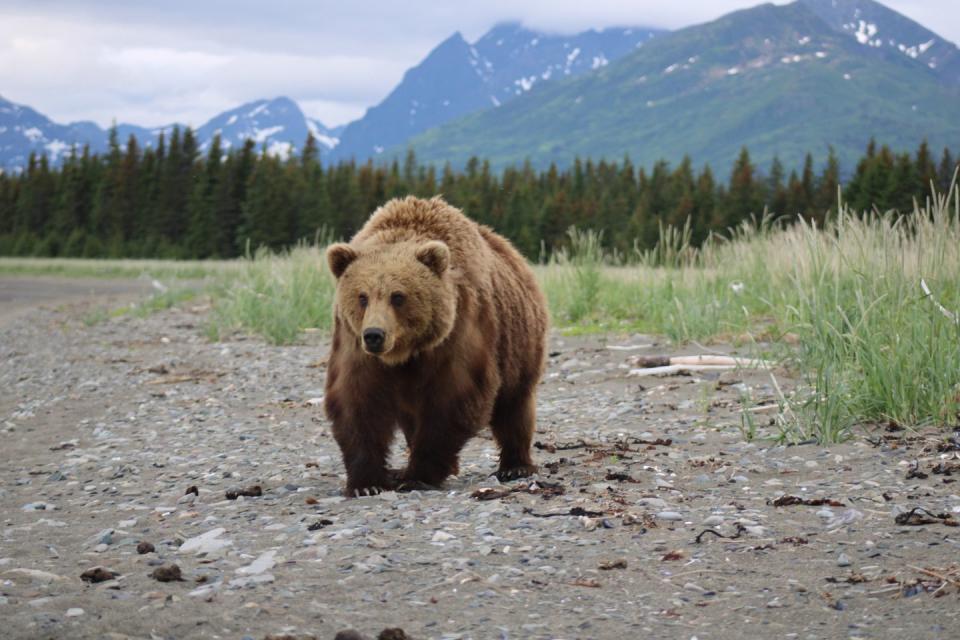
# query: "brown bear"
440,329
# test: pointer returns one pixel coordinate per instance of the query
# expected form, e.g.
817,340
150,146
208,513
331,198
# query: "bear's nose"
374,339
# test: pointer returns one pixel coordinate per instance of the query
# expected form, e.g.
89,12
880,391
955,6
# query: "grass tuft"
275,295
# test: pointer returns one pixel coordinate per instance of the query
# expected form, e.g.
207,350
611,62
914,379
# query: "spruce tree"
946,171
201,235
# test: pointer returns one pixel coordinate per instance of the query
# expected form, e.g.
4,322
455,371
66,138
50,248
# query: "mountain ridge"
278,125
777,79
458,77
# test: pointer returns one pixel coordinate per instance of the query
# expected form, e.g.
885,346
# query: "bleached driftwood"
667,365
628,347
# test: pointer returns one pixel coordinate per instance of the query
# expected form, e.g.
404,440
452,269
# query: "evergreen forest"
174,200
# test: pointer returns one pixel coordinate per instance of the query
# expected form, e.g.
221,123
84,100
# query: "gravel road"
652,516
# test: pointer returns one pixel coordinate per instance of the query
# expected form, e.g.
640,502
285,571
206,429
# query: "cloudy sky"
152,63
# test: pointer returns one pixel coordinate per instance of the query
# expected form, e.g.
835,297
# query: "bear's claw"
515,473
365,492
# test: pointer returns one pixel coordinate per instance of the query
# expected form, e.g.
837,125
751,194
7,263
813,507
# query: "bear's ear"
339,257
436,255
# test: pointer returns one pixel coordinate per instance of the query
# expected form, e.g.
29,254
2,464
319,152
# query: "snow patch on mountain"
261,135
32,134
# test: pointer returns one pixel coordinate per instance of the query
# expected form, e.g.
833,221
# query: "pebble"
38,506
75,612
263,563
654,503
260,578
206,543
669,515
442,536
843,560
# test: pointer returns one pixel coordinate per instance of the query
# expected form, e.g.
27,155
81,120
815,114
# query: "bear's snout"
374,339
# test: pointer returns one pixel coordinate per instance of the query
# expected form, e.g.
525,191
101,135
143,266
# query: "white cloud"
154,63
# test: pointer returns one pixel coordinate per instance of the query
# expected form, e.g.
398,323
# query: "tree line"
174,200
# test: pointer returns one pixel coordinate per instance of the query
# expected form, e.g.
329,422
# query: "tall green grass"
275,295
870,344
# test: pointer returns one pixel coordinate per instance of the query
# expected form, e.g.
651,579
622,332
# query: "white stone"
263,563
208,542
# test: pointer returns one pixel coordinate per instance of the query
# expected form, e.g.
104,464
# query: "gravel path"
135,431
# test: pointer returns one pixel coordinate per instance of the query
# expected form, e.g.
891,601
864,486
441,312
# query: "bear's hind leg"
513,424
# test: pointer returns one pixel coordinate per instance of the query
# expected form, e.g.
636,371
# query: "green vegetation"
277,295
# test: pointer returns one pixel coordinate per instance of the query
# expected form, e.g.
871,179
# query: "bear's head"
397,299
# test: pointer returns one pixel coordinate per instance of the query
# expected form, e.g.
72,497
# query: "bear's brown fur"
440,329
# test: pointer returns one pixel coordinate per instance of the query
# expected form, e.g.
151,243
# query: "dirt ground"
652,516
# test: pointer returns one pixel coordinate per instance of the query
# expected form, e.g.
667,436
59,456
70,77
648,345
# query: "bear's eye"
397,299
363,301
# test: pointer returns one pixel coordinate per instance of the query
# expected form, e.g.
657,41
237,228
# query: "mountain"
874,25
458,78
24,130
278,124
777,79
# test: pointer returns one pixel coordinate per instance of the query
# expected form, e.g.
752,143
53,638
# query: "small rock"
263,563
348,634
843,560
207,543
669,515
75,612
442,536
654,503
145,547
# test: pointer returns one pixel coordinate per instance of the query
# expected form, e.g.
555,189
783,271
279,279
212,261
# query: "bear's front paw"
516,472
